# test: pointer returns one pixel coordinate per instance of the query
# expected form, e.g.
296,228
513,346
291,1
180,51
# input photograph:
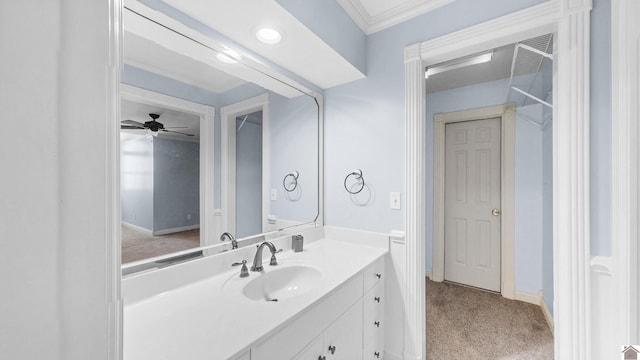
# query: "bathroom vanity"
326,302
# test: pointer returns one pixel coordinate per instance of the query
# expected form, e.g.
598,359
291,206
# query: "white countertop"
203,321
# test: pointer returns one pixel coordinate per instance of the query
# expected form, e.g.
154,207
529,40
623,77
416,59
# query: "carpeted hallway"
137,245
465,323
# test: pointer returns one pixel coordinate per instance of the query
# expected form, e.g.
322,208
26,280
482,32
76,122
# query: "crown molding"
370,24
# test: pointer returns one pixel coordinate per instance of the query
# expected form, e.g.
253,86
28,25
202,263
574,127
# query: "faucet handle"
274,261
244,272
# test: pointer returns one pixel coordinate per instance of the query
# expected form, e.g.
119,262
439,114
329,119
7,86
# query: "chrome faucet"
227,235
257,260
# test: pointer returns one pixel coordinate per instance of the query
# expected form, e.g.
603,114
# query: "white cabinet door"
343,339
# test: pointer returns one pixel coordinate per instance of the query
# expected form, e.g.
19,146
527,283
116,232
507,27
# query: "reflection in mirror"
249,174
264,130
159,180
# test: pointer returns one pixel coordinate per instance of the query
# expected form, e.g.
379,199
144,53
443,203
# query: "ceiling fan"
152,125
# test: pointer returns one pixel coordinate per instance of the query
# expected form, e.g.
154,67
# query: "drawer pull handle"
377,299
378,275
376,354
322,357
377,323
332,349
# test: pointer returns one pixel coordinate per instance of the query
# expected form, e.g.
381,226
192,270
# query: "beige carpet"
466,323
138,245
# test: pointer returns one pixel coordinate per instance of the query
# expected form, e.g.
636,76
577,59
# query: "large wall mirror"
212,142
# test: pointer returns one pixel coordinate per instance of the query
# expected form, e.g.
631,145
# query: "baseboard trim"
537,299
138,228
429,275
547,314
177,229
530,298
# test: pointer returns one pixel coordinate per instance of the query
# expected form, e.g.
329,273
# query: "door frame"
228,116
206,114
569,20
506,113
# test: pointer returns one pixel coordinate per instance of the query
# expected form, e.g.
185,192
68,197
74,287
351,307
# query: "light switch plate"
274,194
395,200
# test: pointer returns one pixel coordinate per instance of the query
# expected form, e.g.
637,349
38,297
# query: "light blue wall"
600,134
249,177
528,200
364,120
176,183
372,111
344,36
136,182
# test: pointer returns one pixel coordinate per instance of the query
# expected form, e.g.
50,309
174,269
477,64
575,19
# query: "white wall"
29,232
136,182
54,200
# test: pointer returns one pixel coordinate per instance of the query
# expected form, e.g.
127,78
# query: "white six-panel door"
472,203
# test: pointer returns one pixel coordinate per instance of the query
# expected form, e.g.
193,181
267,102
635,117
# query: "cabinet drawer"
374,274
374,302
374,322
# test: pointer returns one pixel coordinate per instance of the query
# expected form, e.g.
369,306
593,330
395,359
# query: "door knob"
495,212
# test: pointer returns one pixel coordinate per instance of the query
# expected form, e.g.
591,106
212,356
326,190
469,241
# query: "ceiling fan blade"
132,123
177,132
132,127
176,127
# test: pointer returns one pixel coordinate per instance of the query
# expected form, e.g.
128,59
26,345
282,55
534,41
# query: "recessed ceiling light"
228,56
268,35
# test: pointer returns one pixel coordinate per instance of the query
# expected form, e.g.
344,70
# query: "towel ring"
358,175
294,182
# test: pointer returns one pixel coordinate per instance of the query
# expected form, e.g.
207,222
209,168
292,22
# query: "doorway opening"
492,193
165,174
245,159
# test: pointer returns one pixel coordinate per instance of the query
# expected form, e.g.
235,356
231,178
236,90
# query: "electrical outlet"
188,216
274,194
395,200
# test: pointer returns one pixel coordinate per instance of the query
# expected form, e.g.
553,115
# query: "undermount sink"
282,283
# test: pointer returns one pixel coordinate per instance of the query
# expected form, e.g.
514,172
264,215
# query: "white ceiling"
150,56
170,50
376,15
189,123
301,51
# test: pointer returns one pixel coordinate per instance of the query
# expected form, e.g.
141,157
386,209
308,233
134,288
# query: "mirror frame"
267,74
